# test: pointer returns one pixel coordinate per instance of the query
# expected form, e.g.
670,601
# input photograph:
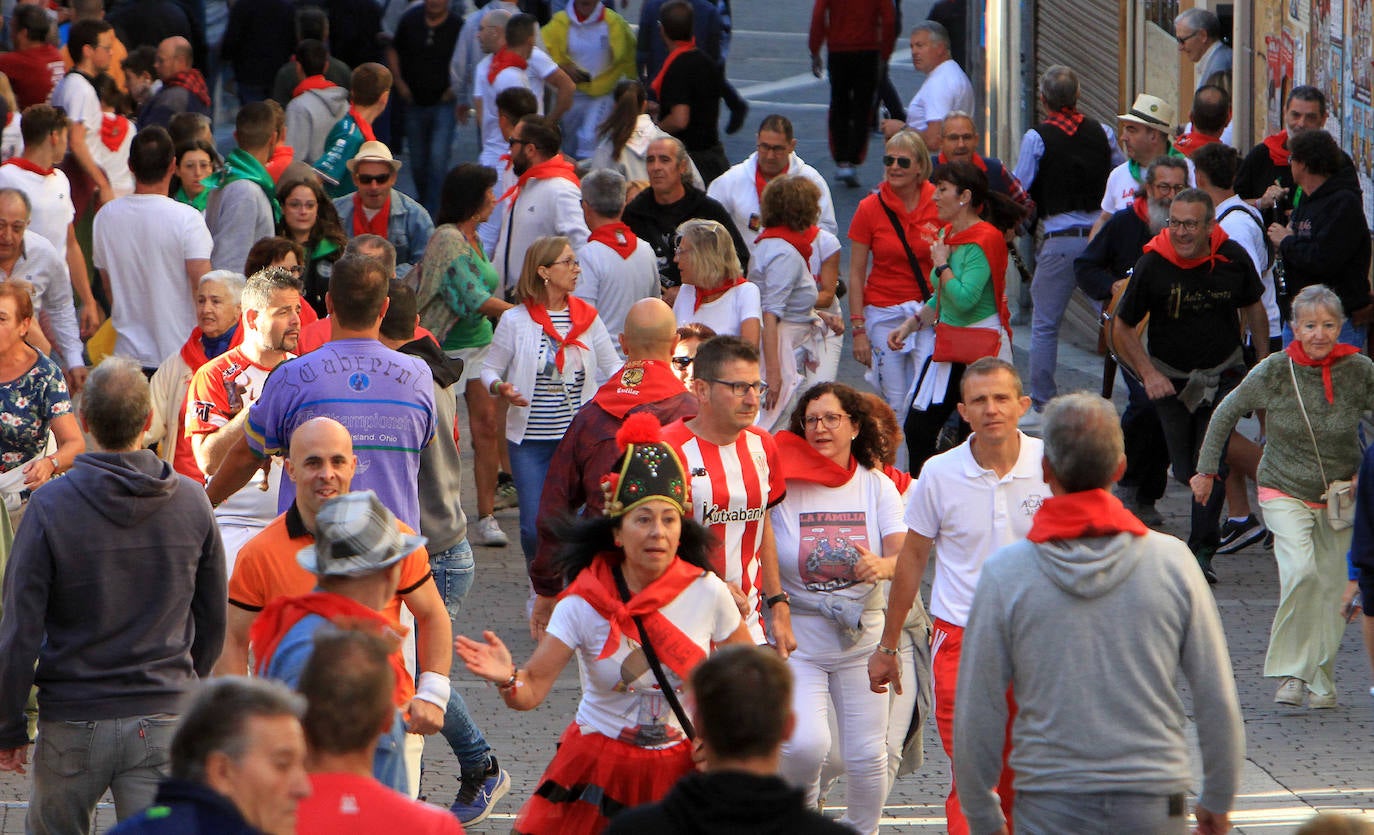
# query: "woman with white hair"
714,290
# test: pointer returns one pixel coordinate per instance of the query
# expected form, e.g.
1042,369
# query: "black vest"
1072,174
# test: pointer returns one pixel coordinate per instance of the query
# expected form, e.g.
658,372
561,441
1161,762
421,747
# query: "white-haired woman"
714,290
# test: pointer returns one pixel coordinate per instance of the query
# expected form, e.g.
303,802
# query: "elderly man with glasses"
1198,32
377,208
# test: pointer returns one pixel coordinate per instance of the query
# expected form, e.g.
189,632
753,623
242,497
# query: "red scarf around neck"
705,297
617,236
1277,145
363,125
637,383
281,614
1339,350
1066,119
900,478
657,84
1083,514
1191,141
504,59
192,81
993,243
554,168
978,162
377,225
596,585
1142,209
582,315
193,352
800,241
1164,245
313,82
801,462
29,165
113,129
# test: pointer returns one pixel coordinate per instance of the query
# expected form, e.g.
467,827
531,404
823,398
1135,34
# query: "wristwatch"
780,597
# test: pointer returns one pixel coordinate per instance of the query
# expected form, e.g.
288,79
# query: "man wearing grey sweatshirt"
1089,622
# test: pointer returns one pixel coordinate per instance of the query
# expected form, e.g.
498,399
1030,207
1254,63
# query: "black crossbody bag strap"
668,692
910,255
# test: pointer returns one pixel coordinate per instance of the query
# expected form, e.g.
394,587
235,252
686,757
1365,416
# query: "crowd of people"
233,376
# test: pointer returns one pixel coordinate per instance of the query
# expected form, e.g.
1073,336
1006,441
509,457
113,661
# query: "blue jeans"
74,762
1050,291
429,133
529,464
453,571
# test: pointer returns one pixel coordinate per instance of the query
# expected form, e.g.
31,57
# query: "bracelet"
856,318
434,688
512,682
1212,476
52,459
887,650
492,389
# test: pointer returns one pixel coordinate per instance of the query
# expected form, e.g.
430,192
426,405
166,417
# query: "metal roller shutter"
1084,35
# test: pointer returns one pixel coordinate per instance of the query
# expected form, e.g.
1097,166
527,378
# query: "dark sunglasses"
682,361
372,179
900,162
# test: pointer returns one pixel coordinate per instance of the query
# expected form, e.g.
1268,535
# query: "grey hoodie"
310,116
116,586
1090,634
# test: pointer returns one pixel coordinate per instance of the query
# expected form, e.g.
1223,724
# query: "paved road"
1297,761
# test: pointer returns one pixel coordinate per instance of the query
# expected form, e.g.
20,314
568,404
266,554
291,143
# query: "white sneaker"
489,533
1291,692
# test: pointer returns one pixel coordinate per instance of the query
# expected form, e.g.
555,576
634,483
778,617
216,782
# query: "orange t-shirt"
890,281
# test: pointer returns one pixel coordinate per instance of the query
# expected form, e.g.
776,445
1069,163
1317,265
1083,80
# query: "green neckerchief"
241,165
1134,167
324,248
1297,196
197,202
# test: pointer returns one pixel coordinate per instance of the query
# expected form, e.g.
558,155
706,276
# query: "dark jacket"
1329,245
185,808
727,803
657,225
1258,172
1111,253
168,102
116,586
442,520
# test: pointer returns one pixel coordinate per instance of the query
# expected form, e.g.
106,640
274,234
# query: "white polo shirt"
613,284
969,513
947,88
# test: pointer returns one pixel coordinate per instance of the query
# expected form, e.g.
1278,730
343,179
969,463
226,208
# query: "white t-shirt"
969,512
51,196
11,138
817,527
540,66
621,698
142,242
946,88
1249,233
723,315
77,96
115,163
1121,186
613,284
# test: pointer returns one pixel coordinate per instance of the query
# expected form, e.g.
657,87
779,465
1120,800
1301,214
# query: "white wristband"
434,688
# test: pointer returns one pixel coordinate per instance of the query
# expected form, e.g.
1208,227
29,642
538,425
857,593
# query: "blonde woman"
714,290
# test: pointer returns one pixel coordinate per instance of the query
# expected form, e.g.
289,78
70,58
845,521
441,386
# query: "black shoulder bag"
668,692
910,255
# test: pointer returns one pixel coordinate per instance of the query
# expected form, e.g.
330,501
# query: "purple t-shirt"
384,397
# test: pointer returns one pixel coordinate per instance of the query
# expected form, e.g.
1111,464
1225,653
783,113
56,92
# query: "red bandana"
900,478
801,462
193,352
596,585
708,296
800,241
504,59
281,614
363,125
194,82
618,237
1164,245
377,225
1142,209
1066,119
113,129
582,315
1077,515
1191,141
759,182
556,168
1278,148
657,84
314,82
978,162
282,155
994,245
1299,355
637,383
29,165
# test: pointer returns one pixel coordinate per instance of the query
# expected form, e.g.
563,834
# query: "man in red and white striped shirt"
735,478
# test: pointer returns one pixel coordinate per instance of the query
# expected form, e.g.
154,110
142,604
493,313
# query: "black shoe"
1238,535
1146,512
1204,561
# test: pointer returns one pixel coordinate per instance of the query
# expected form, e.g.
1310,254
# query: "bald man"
183,87
587,452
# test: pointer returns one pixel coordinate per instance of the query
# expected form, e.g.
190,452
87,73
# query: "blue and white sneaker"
478,793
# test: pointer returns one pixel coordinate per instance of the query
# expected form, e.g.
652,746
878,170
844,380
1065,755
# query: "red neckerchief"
193,352
277,618
638,382
363,125
1299,355
504,59
596,585
1278,148
900,478
618,237
282,154
800,241
598,12
759,182
990,239
801,462
555,168
1164,245
113,129
708,296
1078,515
312,82
582,315
1142,209
977,162
1191,141
1066,119
29,165
194,82
657,84
377,225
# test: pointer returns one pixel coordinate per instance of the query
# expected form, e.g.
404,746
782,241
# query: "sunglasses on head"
900,162
372,179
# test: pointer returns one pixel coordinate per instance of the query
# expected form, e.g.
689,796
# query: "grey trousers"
1108,813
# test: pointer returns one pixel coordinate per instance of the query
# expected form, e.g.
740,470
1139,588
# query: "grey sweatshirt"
1090,635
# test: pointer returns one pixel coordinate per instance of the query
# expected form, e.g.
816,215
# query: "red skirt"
593,777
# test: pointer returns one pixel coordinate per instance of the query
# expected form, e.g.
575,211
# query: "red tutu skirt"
593,777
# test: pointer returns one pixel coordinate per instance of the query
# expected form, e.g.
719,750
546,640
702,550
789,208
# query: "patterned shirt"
28,404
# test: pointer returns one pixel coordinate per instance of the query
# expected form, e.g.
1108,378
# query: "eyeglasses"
571,263
830,421
682,361
765,148
1185,225
303,205
1185,38
294,269
900,162
373,179
1173,188
741,389
515,140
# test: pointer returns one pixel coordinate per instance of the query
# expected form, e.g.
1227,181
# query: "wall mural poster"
1361,43
1335,17
1273,85
1337,92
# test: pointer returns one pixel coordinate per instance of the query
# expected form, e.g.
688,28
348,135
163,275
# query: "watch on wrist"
941,268
780,597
